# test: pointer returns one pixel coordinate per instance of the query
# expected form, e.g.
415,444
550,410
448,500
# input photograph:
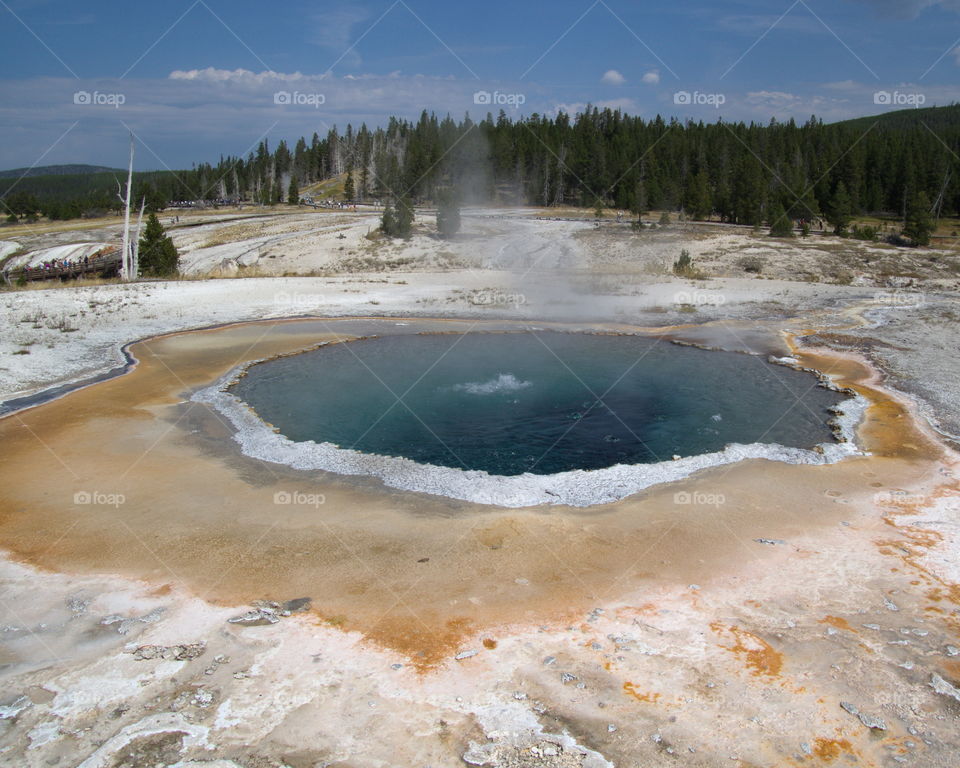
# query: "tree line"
752,174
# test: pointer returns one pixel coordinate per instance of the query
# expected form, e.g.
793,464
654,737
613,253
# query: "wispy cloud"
337,31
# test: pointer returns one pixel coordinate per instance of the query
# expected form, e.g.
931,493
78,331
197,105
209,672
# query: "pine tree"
699,201
349,191
780,223
919,224
405,217
839,211
293,193
158,255
639,206
388,223
448,213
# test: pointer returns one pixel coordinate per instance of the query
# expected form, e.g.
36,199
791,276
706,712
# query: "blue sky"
194,79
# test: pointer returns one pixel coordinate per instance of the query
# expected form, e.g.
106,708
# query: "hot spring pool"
524,403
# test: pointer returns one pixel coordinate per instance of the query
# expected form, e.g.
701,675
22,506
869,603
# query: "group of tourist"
53,266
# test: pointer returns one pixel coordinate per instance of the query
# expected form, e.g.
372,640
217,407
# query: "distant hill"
57,170
934,118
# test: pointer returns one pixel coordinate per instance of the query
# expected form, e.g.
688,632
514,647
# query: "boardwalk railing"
106,265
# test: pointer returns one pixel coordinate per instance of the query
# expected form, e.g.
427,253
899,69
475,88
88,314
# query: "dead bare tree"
136,242
126,272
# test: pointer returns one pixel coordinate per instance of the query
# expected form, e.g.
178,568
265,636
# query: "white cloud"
333,30
236,76
652,77
612,77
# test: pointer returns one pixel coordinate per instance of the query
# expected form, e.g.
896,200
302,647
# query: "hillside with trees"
736,172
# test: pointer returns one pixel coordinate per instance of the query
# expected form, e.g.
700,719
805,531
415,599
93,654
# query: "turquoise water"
541,402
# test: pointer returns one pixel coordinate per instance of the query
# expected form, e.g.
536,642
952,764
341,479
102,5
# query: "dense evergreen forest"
740,173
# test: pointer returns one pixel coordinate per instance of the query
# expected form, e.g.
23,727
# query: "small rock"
851,708
549,660
771,542
396,666
874,723
942,687
296,605
258,617
479,754
952,650
465,655
566,677
611,728
10,711
872,626
805,748
77,605
889,604
203,698
169,653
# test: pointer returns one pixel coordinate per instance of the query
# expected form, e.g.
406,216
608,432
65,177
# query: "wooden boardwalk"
106,265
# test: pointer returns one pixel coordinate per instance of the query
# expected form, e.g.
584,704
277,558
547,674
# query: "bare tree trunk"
125,266
135,266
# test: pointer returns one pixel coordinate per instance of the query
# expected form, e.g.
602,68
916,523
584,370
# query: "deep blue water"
540,402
